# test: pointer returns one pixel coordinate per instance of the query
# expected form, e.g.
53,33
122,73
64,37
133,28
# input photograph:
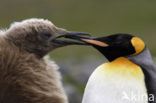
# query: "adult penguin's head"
116,45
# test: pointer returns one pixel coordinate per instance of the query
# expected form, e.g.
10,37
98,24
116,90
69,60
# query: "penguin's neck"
144,60
118,81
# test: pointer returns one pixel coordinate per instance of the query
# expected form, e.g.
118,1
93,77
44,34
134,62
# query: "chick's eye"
45,35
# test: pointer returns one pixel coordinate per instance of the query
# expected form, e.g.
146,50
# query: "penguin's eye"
45,35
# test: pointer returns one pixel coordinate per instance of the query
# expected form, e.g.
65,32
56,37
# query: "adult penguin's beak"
88,40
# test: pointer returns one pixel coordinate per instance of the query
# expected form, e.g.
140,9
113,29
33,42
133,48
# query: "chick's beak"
76,36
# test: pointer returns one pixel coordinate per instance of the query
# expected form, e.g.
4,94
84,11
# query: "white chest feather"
120,81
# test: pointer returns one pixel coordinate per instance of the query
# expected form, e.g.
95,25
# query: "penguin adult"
27,75
129,76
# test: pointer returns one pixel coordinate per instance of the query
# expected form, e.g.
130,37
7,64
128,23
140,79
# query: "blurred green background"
98,17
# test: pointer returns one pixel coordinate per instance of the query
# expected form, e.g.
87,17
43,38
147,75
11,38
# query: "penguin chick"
128,77
26,75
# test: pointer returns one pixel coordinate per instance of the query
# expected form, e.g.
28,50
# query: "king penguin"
27,75
129,76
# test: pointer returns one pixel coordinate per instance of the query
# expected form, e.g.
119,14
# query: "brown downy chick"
26,75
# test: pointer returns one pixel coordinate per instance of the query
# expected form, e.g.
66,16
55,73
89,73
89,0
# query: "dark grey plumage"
144,60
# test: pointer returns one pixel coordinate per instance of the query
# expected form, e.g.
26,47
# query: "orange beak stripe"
99,43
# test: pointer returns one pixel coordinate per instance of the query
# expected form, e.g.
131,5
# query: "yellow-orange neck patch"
138,45
121,67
